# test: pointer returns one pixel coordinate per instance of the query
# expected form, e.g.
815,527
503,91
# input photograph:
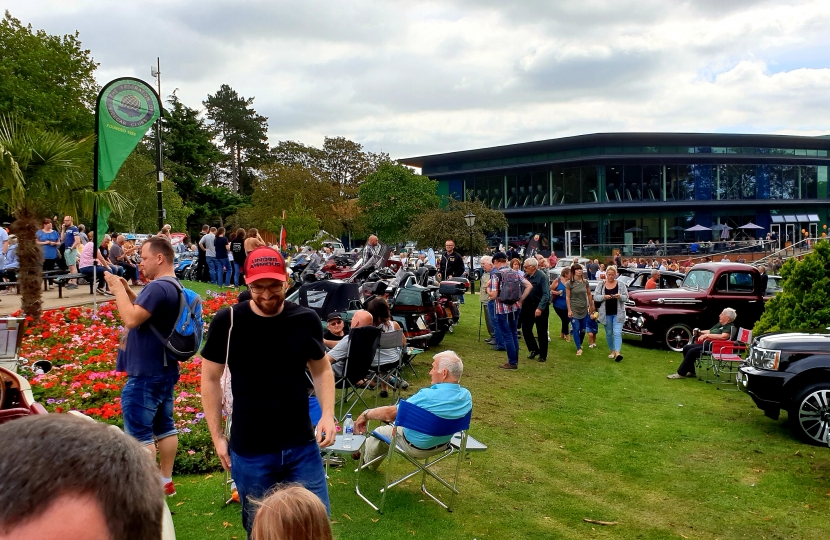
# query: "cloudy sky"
412,78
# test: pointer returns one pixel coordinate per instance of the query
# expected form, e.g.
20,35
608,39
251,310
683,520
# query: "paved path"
77,297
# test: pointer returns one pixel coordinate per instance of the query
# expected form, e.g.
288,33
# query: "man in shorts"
147,398
267,344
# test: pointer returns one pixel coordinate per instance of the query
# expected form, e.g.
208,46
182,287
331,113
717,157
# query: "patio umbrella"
724,234
750,225
698,228
720,227
634,229
677,228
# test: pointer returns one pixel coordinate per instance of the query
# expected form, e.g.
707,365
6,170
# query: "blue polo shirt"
69,237
447,400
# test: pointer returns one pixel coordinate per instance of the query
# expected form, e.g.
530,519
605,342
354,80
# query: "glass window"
558,238
512,191
809,182
704,182
652,183
613,183
698,279
588,184
558,186
684,182
571,186
740,282
496,192
774,176
748,182
524,185
633,178
731,182
615,231
789,182
541,192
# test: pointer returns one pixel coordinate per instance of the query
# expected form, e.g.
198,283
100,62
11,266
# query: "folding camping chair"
363,347
705,365
725,357
417,419
388,372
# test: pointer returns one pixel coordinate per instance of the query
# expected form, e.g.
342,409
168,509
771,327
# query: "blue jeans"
147,406
224,276
99,275
256,475
578,327
506,323
613,332
214,267
237,269
491,310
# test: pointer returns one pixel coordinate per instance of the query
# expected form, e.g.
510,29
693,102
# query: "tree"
189,152
434,227
37,166
136,183
301,225
804,304
392,197
48,80
243,132
348,165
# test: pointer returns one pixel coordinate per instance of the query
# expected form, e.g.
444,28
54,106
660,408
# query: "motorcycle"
16,398
183,262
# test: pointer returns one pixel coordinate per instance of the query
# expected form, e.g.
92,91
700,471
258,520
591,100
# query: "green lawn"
583,437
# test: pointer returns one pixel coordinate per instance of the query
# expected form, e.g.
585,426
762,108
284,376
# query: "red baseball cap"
264,263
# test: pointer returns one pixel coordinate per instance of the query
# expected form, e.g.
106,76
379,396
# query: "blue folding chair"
417,419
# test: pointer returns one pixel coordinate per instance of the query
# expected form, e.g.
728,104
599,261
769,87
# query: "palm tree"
40,168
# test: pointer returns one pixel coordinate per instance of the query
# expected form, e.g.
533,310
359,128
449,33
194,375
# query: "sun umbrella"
634,229
698,228
750,225
677,228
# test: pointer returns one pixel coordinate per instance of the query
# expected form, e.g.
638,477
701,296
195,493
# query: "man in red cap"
265,340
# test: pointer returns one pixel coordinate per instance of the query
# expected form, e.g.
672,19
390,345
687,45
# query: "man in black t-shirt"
265,340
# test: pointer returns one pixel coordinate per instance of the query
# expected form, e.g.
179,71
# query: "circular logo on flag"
130,104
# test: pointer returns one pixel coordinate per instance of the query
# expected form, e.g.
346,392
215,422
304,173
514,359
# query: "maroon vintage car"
670,315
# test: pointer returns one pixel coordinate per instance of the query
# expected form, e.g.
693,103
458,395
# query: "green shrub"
196,453
804,304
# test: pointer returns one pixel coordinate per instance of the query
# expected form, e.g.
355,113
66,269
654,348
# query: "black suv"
791,371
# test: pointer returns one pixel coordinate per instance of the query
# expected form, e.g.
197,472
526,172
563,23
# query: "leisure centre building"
622,189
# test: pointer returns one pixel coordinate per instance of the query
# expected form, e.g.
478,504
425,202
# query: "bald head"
361,318
373,240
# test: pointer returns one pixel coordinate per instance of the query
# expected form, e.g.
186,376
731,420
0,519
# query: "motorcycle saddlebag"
451,288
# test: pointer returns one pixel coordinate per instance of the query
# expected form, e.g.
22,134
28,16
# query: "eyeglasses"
336,321
273,289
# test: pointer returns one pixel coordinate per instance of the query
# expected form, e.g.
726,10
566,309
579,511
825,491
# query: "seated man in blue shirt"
445,398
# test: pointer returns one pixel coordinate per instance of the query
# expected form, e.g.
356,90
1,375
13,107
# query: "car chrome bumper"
628,334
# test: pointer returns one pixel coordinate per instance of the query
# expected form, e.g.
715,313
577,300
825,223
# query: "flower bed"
82,347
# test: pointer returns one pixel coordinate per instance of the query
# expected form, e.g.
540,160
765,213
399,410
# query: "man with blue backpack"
508,289
162,326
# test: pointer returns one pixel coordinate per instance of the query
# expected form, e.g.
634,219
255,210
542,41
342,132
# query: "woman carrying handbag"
613,295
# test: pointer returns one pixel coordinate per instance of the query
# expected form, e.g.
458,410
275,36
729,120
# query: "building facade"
618,189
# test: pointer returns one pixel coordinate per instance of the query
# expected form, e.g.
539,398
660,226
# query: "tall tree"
189,152
243,134
301,225
46,79
347,164
37,166
392,197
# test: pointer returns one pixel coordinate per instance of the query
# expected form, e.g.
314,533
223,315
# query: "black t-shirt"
611,303
267,360
238,251
452,265
221,246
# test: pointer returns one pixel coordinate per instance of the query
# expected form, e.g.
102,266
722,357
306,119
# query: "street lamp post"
470,219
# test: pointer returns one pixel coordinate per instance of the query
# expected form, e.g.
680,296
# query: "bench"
62,281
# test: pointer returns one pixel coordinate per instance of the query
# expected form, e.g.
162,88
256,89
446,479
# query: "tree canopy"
392,197
47,80
804,304
433,227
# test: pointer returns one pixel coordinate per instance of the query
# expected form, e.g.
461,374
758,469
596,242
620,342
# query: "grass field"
583,437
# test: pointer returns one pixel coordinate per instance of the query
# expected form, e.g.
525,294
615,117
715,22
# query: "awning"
813,218
791,219
777,219
802,219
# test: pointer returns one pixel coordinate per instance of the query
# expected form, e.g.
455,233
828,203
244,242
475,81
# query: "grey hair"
532,262
655,273
487,260
731,313
450,361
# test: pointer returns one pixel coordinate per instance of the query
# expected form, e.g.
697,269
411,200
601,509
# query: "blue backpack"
186,338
